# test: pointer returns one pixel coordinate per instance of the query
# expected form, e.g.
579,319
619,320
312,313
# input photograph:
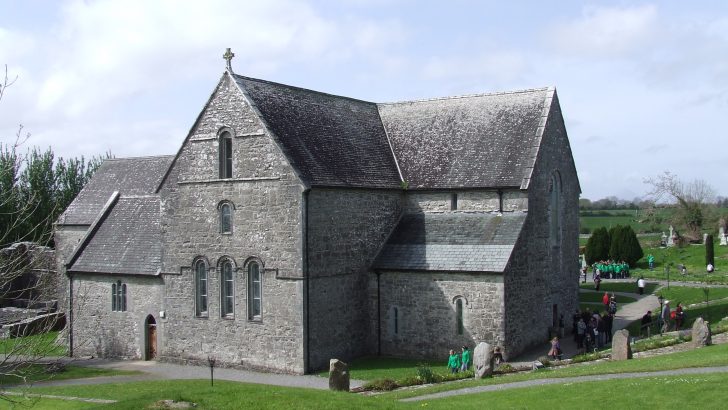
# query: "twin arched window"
118,297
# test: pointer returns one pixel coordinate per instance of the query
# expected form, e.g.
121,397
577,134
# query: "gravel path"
564,380
153,370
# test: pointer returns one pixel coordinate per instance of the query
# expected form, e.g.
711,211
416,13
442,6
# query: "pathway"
153,370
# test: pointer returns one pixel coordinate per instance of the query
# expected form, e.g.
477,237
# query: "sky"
643,85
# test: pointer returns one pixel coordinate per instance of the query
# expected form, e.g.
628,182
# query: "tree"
597,247
709,251
34,190
693,201
626,245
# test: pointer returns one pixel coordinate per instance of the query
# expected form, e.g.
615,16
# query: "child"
466,359
555,352
453,362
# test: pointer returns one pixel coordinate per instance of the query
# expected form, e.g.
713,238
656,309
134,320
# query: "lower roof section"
453,241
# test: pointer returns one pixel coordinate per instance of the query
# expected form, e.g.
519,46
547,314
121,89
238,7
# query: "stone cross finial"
228,56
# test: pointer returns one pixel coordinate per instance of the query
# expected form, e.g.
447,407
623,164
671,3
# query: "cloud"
605,32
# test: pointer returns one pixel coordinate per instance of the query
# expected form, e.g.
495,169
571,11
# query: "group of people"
460,362
665,320
610,269
593,330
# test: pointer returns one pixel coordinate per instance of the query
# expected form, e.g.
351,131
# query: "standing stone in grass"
483,360
621,350
338,375
701,333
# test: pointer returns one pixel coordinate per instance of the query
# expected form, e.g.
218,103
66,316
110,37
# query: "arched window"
226,217
118,296
226,289
459,316
200,288
396,321
255,291
226,155
555,210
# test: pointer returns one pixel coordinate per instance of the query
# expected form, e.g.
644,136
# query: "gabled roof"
129,176
126,240
476,141
452,242
330,140
486,140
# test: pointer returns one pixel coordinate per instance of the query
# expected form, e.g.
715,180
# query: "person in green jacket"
453,362
466,359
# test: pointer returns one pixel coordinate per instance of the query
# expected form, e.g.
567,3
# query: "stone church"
293,226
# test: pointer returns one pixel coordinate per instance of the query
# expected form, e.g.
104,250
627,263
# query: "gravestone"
663,240
705,238
483,360
701,333
670,238
723,237
338,375
621,349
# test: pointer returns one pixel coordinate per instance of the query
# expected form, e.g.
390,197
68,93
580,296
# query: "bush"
505,368
425,374
584,230
586,357
381,385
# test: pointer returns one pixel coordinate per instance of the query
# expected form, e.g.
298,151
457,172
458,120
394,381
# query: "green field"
692,391
37,345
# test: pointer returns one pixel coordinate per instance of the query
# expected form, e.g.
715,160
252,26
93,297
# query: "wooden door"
151,338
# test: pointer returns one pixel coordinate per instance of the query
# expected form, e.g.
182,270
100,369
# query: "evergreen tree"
597,247
709,251
631,248
616,243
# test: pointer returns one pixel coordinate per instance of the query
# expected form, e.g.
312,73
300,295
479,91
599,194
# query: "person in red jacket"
605,301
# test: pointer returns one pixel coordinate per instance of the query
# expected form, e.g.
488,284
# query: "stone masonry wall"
345,232
426,312
101,332
65,240
266,195
541,276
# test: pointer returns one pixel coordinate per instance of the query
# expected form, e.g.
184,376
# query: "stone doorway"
151,339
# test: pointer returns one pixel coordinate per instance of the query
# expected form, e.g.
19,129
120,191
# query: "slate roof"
129,176
487,140
463,242
330,140
126,241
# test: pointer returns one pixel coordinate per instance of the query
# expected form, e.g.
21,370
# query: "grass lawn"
36,373
597,297
708,393
628,287
673,391
37,345
371,368
688,295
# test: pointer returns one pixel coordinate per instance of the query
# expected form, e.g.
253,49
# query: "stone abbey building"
294,226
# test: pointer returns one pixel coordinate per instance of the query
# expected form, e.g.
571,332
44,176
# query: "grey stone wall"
426,311
346,230
101,332
65,240
540,276
266,226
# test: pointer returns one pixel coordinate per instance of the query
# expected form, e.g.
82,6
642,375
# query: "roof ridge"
455,97
140,157
303,89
